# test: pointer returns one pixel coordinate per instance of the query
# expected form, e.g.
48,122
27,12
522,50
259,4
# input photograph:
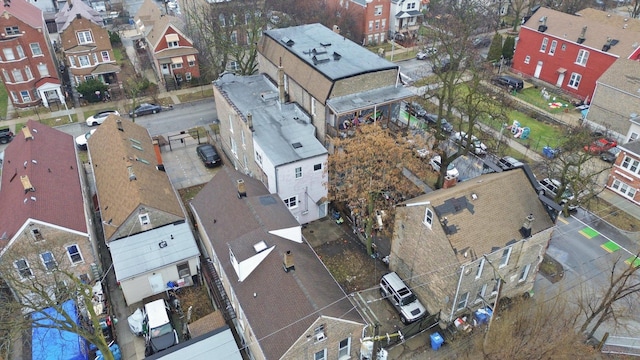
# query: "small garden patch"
551,269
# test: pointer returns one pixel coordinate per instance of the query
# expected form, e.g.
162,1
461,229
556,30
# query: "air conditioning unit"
320,337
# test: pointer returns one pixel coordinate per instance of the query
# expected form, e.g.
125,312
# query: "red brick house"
172,53
624,178
86,44
572,51
372,17
29,70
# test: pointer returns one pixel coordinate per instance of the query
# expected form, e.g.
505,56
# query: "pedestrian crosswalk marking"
589,233
610,246
633,260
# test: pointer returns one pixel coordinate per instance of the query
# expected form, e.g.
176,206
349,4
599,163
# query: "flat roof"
366,99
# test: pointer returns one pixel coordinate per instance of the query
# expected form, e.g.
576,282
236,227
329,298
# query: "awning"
561,70
177,60
191,58
171,37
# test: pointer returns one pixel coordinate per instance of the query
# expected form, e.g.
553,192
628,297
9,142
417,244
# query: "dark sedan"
208,155
145,109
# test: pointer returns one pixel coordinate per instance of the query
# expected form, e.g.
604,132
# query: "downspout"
455,298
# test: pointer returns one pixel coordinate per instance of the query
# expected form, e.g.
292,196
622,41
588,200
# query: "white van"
160,333
402,298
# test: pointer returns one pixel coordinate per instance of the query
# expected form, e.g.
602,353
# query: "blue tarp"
55,344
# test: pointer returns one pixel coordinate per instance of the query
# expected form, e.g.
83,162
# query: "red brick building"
572,51
625,173
29,70
372,17
172,53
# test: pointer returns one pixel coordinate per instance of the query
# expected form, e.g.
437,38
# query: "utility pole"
376,330
495,305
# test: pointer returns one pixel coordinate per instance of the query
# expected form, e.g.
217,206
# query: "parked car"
451,168
478,148
610,155
551,186
508,163
444,124
481,42
444,66
402,298
100,117
209,156
145,109
508,82
160,333
426,53
415,109
5,136
601,145
81,141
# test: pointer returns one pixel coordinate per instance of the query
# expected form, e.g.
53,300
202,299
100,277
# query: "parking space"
183,166
377,309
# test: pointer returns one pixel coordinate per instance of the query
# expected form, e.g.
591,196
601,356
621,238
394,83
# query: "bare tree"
366,173
634,9
46,284
517,8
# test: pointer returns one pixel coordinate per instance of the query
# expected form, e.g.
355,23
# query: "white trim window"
344,348
480,268
583,56
17,75
291,202
623,189
22,266
244,140
552,48
234,37
8,54
543,46
72,61
377,11
75,256
317,167
524,273
48,261
20,51
574,81
43,70
462,302
26,96
480,294
298,172
144,219
631,164
5,73
234,148
428,218
504,260
313,106
27,71
84,37
35,49
84,61
105,56
230,123
172,44
320,355
527,59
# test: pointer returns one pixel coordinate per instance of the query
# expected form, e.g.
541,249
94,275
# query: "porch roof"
105,69
368,99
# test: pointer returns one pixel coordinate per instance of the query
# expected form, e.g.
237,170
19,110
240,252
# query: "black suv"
444,67
509,82
416,110
5,136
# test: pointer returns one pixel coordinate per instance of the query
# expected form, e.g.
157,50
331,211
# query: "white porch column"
43,97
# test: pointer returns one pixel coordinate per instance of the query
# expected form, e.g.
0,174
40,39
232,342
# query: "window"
72,61
480,294
8,54
14,96
384,24
221,20
23,268
12,30
192,62
377,24
631,164
583,56
247,18
313,106
20,52
543,47
317,167
95,58
84,60
17,75
258,158
244,141
233,65
105,56
298,172
234,37
371,25
377,10
74,254
48,261
84,37
144,219
527,59
187,76
504,260
27,71
479,272
231,123
564,47
26,97
35,49
176,66
574,81
172,44
623,189
344,349
524,273
462,302
321,355
291,202
6,76
552,49
428,217
37,235
633,137
234,148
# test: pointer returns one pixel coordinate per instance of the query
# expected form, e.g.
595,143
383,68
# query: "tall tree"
46,285
495,49
517,7
508,47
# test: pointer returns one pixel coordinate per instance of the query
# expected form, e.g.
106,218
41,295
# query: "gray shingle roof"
633,147
623,75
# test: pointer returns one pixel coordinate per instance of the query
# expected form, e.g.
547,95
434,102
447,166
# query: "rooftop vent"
336,56
119,125
242,189
296,145
26,184
287,263
543,24
321,58
132,175
583,33
260,247
27,133
288,41
319,50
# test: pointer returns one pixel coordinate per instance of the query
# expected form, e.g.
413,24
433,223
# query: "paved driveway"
182,164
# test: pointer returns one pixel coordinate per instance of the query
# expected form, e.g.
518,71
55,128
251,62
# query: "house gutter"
455,298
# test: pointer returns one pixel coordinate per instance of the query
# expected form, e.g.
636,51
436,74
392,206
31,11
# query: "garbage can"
436,341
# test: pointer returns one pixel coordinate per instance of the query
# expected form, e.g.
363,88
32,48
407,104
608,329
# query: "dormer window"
144,219
428,218
37,235
172,44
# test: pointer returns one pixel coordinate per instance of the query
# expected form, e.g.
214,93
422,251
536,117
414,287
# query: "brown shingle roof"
49,161
112,153
600,26
623,75
285,304
156,23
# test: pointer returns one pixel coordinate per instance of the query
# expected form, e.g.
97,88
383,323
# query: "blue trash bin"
436,341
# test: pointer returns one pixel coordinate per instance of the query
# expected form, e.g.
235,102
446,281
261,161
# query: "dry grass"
350,265
613,215
197,297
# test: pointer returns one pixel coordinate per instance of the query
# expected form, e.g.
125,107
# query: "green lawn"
534,97
117,53
4,100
